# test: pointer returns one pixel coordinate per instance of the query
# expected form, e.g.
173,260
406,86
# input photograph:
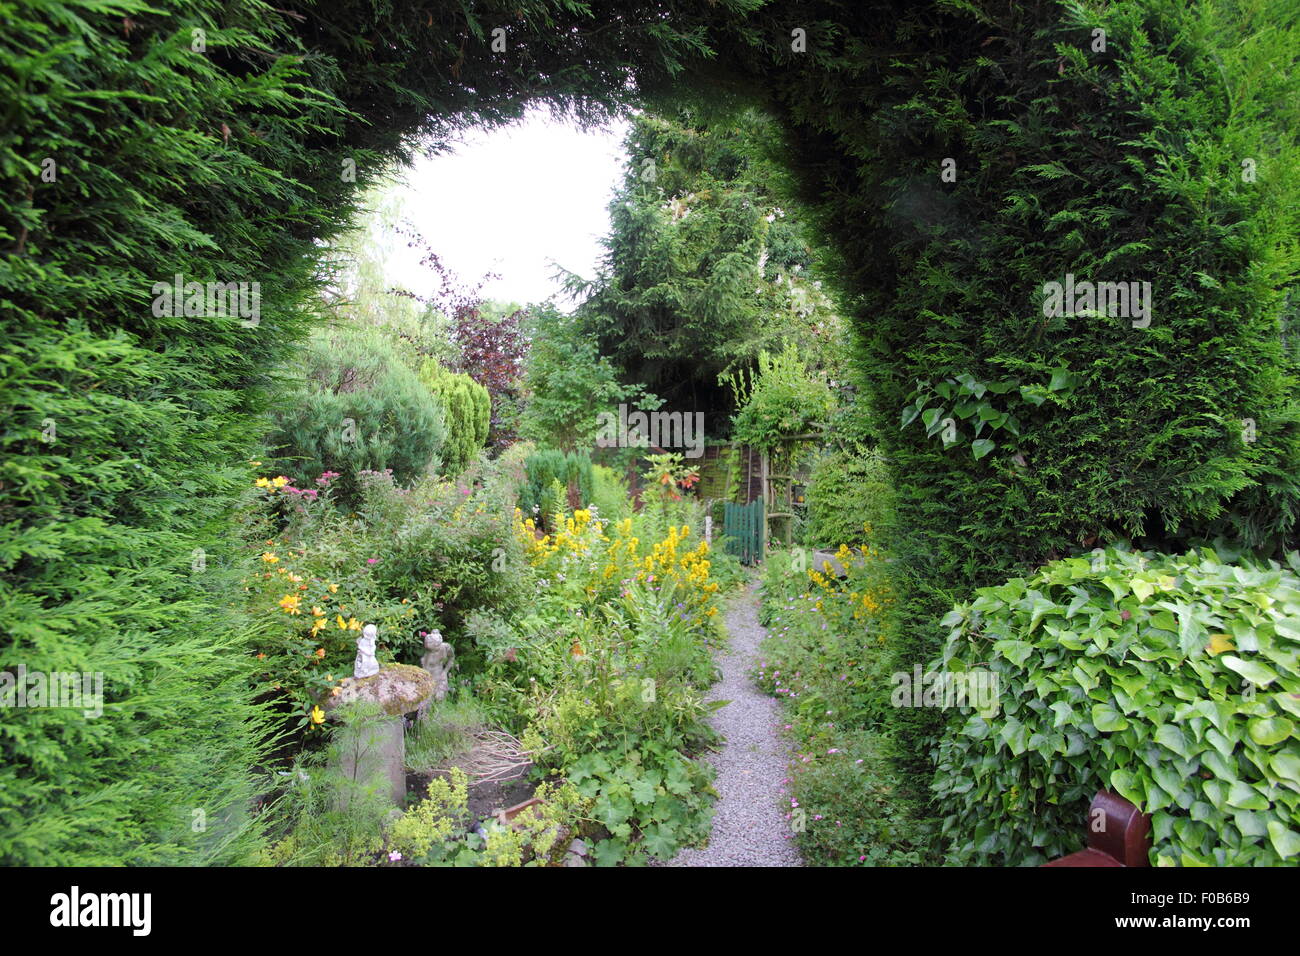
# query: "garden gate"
745,530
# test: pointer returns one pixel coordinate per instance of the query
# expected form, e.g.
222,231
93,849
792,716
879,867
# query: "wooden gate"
745,530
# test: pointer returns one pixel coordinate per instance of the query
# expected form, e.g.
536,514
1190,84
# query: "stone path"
749,826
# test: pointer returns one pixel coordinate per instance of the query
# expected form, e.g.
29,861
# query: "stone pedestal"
371,755
370,747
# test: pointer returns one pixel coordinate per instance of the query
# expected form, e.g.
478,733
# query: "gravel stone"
749,826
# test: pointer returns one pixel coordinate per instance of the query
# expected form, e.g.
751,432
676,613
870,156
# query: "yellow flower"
317,715
269,558
280,481
334,589
289,604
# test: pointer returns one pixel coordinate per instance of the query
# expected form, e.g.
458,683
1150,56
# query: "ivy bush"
1172,680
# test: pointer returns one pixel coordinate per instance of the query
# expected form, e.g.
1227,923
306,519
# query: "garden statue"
366,665
437,660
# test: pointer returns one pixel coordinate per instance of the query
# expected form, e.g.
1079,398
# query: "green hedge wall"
1128,164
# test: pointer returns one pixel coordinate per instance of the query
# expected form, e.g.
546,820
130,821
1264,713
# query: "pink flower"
394,857
372,560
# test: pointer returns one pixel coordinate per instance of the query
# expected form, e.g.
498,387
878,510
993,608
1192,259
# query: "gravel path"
749,828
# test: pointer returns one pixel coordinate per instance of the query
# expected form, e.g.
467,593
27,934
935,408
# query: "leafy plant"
1173,680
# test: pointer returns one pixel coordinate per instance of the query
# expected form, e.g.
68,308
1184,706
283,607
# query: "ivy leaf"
1061,380
1015,735
1172,738
1267,731
1033,394
1286,766
1017,652
982,447
1107,719
1285,840
1245,797
1261,675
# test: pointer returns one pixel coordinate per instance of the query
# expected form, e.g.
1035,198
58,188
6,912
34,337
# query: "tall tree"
704,265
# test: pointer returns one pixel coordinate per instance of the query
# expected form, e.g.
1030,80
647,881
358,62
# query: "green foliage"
622,731
359,409
546,468
468,409
224,165
847,494
1064,164
324,817
826,658
570,384
778,401
703,268
406,560
609,494
445,732
1172,680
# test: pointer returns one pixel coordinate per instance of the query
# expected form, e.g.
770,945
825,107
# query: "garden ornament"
366,665
437,660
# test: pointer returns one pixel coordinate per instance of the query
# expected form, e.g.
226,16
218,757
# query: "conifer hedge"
218,142
1169,157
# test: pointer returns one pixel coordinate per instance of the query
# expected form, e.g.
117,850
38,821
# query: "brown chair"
1123,838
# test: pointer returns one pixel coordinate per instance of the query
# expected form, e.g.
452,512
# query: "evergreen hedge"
1170,157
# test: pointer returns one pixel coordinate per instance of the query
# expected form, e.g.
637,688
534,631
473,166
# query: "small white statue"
437,661
366,665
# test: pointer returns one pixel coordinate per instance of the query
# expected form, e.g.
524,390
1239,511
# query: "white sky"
512,199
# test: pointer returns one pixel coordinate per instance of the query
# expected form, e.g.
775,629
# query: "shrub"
609,494
1172,680
572,470
846,495
360,409
778,401
468,410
